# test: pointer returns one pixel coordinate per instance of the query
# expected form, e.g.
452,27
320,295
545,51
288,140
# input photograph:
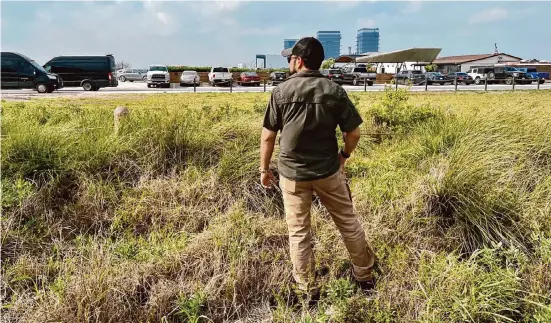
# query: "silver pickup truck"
358,75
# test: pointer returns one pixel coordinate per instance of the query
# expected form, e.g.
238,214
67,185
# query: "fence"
455,82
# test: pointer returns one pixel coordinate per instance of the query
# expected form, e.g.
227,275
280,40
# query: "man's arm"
349,123
271,125
267,142
351,139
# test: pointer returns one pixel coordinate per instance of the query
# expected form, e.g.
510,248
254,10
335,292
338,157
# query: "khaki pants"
335,196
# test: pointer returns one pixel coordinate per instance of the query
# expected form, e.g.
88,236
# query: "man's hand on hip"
267,179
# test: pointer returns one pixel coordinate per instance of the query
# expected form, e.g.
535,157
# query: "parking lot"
141,88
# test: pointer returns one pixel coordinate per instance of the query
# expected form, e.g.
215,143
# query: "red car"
250,78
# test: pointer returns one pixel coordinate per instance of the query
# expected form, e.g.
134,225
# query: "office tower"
289,43
367,40
331,41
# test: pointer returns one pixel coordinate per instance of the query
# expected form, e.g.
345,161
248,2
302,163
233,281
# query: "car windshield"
511,69
416,72
437,74
190,72
335,72
38,67
250,74
280,74
220,70
462,74
158,68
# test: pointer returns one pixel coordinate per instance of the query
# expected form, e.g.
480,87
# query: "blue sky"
227,33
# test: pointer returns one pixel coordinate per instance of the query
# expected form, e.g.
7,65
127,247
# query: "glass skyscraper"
367,40
289,43
331,41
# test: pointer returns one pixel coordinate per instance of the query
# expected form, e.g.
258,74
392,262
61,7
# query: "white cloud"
489,15
214,8
413,6
43,17
344,4
365,23
256,31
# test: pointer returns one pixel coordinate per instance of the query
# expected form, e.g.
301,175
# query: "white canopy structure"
426,55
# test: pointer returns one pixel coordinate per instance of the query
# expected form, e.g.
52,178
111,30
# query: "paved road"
141,88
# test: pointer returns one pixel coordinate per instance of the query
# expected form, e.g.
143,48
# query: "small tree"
327,63
431,68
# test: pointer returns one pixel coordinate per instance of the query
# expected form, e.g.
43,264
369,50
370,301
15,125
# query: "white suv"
158,75
479,74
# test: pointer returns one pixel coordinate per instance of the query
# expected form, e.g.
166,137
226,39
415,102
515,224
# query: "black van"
90,72
21,72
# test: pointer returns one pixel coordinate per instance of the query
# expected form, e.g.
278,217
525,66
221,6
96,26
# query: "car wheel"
477,80
87,86
542,81
355,81
491,75
509,80
369,83
144,78
122,78
42,88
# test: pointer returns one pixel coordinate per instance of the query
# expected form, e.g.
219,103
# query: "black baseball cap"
308,48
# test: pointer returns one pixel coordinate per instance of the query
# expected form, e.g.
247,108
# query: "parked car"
435,77
460,77
277,77
20,72
132,75
158,75
357,76
189,78
220,75
338,76
90,72
533,74
409,76
250,78
479,74
507,74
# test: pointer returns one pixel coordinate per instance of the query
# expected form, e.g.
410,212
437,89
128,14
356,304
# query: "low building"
463,63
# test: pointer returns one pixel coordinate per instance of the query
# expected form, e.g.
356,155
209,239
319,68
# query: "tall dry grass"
166,221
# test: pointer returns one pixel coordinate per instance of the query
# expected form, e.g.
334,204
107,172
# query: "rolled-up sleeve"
272,117
349,118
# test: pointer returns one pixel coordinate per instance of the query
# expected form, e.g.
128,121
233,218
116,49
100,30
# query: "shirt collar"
306,73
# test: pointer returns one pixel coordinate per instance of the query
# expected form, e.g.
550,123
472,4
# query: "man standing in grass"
307,108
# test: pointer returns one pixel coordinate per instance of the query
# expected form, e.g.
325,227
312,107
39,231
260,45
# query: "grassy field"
166,221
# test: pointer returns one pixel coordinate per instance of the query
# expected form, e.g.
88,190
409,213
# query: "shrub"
395,113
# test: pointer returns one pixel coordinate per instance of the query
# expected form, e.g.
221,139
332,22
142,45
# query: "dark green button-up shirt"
307,108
